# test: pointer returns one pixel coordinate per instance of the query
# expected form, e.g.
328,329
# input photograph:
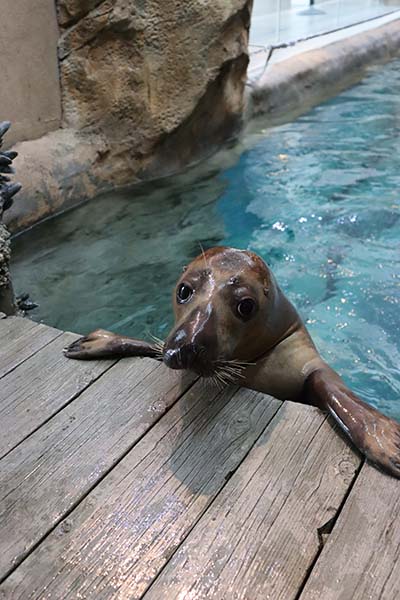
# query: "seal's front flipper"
374,434
105,344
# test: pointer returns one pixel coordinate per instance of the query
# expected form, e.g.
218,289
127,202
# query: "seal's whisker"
158,342
158,346
211,381
232,369
232,372
220,376
204,254
238,363
218,382
236,376
226,376
233,377
226,362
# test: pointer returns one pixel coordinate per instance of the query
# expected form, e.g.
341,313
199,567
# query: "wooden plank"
48,473
126,529
260,536
360,561
12,327
21,338
40,387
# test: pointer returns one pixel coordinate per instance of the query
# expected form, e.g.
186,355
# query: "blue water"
317,198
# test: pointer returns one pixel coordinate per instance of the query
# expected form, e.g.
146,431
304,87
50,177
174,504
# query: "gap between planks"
327,529
360,560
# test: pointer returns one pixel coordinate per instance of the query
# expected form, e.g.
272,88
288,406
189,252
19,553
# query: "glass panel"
283,21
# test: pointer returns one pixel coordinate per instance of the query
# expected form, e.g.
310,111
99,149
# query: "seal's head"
227,313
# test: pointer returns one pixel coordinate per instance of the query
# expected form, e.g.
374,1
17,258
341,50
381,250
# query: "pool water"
317,198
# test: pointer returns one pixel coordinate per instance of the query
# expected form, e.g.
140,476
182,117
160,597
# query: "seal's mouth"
188,356
221,371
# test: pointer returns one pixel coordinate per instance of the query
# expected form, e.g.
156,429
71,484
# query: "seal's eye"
246,308
184,293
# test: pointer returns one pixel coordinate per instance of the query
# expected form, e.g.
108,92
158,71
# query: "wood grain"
40,387
362,556
117,540
260,536
21,338
48,473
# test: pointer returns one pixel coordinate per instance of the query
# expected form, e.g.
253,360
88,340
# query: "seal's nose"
183,357
171,358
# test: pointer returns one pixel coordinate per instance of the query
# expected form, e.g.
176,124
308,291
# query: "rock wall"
148,86
139,71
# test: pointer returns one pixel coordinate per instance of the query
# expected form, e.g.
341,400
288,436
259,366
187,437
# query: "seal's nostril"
171,358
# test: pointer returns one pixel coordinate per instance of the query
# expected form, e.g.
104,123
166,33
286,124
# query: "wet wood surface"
120,479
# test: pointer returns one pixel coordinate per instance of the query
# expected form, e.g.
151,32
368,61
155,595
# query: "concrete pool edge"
66,167
295,84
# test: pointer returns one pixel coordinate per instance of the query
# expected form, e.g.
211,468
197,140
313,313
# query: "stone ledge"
56,171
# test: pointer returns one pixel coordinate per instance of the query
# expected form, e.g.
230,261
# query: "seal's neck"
282,322
282,370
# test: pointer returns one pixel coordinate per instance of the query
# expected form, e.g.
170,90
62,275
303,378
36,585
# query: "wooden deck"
119,479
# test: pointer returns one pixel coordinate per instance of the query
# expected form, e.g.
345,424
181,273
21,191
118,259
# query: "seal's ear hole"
266,291
184,268
246,308
184,293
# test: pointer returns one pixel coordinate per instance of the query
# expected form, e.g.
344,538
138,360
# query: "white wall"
29,82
